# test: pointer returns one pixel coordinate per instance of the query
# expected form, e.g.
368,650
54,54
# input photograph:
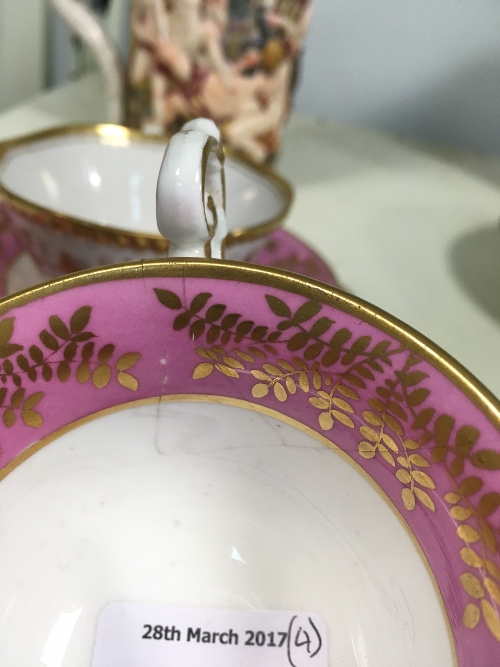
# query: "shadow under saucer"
475,261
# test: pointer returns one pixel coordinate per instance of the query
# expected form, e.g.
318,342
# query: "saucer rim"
309,288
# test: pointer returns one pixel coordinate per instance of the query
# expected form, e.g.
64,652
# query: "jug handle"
191,193
86,25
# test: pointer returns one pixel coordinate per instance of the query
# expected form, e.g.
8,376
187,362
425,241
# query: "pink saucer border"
424,430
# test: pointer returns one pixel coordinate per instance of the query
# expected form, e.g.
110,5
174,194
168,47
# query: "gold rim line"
311,289
122,237
268,412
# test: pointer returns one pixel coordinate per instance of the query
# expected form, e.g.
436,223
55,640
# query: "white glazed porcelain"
85,197
191,192
207,505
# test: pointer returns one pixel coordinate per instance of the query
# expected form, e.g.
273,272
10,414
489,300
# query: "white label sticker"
147,635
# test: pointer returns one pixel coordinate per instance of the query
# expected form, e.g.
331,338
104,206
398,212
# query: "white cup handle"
190,195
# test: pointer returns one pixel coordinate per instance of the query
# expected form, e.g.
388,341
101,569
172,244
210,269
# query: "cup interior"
109,179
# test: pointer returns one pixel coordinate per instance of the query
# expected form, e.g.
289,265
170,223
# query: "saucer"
189,435
282,251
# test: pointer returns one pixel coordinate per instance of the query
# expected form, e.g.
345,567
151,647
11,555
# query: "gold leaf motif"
423,479
386,455
278,306
259,375
343,405
290,385
390,442
6,330
368,433
272,370
418,460
460,513
244,355
317,380
258,353
306,311
63,371
492,568
127,360
206,354
325,421
488,536
17,398
393,424
226,370
304,382
319,403
285,365
344,419
260,390
491,618
80,319
58,327
411,444
425,499
471,616
168,299
233,363
372,418
33,400
348,392
83,372
367,450
280,392
470,557
486,459
403,476
492,589
488,504
9,417
468,534
408,499
452,498
101,376
470,486
127,380
32,418
403,462
105,354
472,585
376,404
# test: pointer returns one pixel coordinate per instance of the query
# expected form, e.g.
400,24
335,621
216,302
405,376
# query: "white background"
424,68
22,50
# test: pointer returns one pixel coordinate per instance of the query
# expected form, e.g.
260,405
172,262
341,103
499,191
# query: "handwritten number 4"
305,638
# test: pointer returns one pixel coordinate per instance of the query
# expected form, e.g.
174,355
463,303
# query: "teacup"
82,197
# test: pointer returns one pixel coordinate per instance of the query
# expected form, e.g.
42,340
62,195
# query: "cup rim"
104,234
312,289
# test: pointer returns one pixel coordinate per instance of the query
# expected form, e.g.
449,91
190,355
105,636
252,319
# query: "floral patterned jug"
234,61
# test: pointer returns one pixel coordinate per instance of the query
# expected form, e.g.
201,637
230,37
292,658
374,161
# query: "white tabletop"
413,232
